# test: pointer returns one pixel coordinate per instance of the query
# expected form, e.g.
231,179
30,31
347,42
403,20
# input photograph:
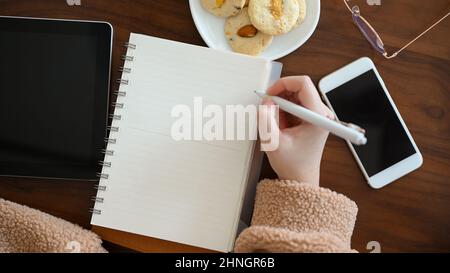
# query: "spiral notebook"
190,192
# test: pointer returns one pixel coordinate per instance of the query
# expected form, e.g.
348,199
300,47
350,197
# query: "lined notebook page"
183,191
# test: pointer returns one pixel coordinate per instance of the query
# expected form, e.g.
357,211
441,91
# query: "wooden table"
411,215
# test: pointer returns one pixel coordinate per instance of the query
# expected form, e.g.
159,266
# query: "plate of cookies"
267,28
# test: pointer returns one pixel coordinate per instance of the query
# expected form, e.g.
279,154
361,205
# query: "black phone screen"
362,101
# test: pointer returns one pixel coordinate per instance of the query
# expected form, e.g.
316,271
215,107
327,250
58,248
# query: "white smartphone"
357,94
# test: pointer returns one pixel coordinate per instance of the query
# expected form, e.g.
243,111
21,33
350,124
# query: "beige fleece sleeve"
23,229
295,217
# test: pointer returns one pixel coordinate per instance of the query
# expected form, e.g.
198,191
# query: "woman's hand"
301,144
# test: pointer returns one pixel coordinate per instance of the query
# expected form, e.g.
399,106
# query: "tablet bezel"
65,26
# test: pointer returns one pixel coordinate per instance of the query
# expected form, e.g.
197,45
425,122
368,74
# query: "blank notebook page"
183,191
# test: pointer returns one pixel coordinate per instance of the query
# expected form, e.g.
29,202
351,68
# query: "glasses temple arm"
348,6
415,39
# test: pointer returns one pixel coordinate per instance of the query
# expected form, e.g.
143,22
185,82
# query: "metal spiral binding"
129,45
111,140
125,69
118,105
120,93
98,199
115,117
127,58
108,152
95,211
105,164
103,175
122,81
100,187
113,129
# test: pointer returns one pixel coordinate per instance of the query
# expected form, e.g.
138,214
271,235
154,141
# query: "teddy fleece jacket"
288,216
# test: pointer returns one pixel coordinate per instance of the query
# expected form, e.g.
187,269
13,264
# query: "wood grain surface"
410,215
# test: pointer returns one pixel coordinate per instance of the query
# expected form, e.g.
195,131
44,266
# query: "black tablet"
54,90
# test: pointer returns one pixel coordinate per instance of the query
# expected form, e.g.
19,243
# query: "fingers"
307,93
291,84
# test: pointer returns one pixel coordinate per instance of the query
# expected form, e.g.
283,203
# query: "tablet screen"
54,81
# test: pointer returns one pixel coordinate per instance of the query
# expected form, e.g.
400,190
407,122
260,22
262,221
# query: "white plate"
211,29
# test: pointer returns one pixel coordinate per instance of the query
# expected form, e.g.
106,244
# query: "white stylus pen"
347,131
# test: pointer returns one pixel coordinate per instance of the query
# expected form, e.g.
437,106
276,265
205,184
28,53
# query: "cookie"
243,37
274,17
223,8
302,14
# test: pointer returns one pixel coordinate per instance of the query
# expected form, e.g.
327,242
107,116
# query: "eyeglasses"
372,36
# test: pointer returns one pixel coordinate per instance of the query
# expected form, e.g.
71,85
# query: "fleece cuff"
23,229
298,213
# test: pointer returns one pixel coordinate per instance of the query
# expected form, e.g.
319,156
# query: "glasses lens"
368,32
